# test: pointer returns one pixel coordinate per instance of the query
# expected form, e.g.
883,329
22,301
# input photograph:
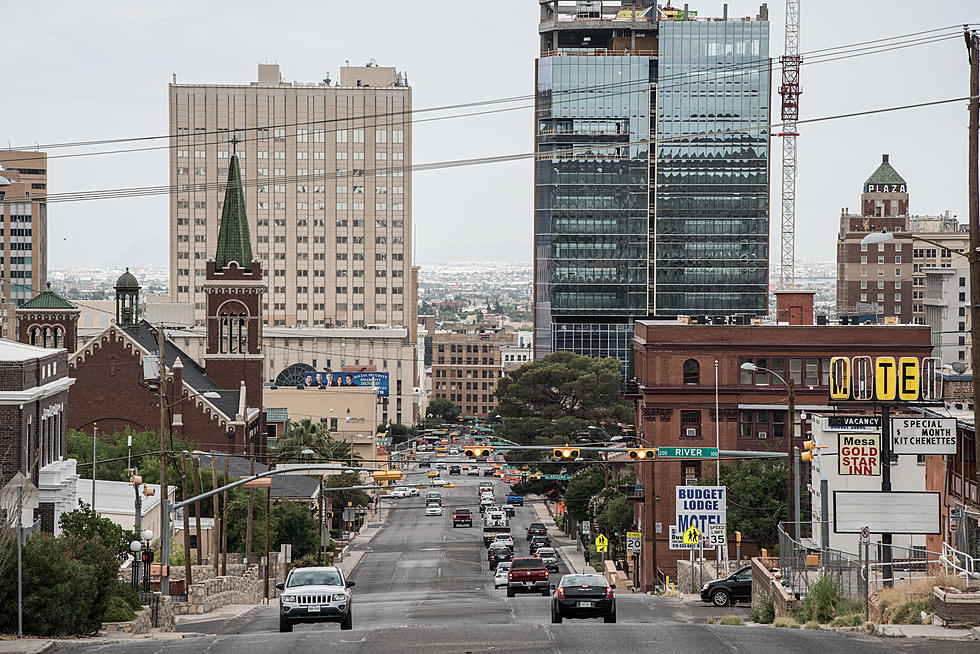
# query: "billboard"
923,435
891,512
379,380
700,506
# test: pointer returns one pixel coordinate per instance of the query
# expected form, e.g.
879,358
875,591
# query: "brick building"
675,401
34,385
887,278
466,366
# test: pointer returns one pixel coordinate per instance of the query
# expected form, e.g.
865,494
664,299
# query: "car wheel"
545,592
721,598
348,622
609,619
285,627
510,592
555,616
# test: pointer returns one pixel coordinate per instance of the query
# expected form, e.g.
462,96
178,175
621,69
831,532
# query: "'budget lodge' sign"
885,379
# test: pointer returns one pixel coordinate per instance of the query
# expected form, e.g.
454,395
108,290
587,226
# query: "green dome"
127,282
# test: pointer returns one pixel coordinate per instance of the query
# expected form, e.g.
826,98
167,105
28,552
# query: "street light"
135,548
791,486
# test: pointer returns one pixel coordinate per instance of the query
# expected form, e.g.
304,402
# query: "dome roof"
126,281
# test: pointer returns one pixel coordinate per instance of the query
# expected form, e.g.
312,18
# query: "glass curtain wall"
711,230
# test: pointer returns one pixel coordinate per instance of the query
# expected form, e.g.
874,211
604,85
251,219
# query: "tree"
760,488
581,488
444,409
295,525
615,518
316,436
562,395
339,499
85,522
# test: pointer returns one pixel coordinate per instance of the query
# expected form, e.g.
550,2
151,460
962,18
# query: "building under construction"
652,176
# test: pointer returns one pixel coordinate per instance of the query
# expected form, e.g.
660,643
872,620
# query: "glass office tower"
631,220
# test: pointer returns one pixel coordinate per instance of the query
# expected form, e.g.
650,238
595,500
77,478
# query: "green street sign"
687,452
556,477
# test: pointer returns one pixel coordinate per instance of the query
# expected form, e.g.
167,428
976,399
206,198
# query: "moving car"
538,541
433,473
509,510
473,472
583,596
527,575
455,470
433,496
549,556
503,539
440,466
500,575
485,486
536,529
498,553
731,589
488,472
319,594
462,516
515,499
401,491
437,481
424,462
433,509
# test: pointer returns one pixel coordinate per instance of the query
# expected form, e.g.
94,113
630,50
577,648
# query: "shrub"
812,625
118,610
129,594
764,613
786,623
732,621
849,620
821,600
911,611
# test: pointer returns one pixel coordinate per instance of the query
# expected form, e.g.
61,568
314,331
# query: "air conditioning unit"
691,432
762,434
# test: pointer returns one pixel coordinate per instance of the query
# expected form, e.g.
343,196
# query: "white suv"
318,594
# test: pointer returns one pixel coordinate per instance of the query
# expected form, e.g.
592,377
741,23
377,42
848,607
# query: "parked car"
549,556
731,589
583,596
433,509
536,529
500,575
498,553
462,517
538,541
319,594
527,575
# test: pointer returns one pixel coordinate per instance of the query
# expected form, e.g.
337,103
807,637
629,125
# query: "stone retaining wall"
766,588
158,614
208,592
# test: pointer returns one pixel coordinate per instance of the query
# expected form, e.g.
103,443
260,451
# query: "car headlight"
705,587
339,597
288,598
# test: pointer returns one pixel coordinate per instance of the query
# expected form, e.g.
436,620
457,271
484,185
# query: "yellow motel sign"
884,379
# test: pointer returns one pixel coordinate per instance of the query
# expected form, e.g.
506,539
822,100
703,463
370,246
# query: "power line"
825,53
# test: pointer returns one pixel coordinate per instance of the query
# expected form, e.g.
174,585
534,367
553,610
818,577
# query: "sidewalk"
565,546
928,631
36,645
226,612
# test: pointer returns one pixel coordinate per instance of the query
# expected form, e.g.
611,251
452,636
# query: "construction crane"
790,92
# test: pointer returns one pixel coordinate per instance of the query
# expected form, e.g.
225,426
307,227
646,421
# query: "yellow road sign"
601,543
692,536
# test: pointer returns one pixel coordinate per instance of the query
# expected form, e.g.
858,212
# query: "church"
118,384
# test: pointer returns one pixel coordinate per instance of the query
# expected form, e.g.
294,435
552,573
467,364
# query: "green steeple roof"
234,241
47,299
885,174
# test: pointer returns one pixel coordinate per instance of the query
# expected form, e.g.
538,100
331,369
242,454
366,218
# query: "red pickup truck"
528,575
462,517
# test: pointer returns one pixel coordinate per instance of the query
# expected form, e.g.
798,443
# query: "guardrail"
962,563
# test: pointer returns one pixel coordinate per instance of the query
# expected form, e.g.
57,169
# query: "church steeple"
234,240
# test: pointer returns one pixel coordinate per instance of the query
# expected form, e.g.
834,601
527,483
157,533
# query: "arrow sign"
601,543
692,536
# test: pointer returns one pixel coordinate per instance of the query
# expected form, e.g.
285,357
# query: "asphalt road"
424,586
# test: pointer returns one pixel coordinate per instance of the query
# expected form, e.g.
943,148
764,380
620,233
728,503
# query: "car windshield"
583,580
503,565
314,578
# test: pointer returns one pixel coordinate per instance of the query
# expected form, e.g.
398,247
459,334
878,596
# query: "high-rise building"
327,175
888,278
652,171
23,232
466,367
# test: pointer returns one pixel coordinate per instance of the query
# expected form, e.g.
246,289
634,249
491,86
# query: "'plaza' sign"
885,379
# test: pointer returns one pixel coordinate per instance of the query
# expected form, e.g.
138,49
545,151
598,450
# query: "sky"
73,74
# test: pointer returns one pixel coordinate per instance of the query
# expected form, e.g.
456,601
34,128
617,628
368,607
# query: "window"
864,247
864,259
690,470
864,272
692,372
691,424
745,423
864,285
962,281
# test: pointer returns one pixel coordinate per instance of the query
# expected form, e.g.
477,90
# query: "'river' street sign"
687,452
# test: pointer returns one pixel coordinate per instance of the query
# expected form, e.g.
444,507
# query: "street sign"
859,454
677,540
854,423
923,435
716,536
886,512
952,527
634,541
692,536
865,535
700,506
586,527
556,477
601,543
687,452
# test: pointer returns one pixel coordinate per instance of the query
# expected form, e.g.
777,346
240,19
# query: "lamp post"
135,547
792,484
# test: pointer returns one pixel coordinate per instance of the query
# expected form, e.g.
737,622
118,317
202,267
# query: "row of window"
279,135
470,374
459,348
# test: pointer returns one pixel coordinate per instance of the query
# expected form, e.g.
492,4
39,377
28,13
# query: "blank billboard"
895,512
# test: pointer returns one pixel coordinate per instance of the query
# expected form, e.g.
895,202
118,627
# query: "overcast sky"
73,72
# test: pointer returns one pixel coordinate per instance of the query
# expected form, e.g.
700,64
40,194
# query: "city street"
424,586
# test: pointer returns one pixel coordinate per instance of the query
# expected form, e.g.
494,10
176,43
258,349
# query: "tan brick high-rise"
327,176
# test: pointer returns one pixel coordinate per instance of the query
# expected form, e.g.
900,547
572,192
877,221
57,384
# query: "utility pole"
973,48
95,439
886,487
187,530
197,505
224,527
218,525
267,561
164,449
792,486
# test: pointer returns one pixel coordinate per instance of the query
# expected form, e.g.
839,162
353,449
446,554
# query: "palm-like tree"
315,436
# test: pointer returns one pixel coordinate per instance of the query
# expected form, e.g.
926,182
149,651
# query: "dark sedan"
583,596
735,587
538,541
498,553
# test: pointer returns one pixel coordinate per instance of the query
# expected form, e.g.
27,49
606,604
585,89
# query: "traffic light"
641,453
565,452
476,452
386,475
810,448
